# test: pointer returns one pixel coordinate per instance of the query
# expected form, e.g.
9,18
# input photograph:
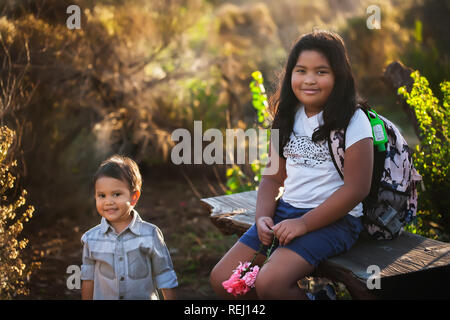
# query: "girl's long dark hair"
340,105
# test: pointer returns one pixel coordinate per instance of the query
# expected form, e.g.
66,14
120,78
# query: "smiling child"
124,257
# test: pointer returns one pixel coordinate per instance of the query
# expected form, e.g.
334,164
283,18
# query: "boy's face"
114,201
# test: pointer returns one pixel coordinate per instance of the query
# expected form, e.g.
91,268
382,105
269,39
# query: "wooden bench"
411,266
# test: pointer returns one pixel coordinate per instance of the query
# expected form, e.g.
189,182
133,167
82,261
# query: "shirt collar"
314,121
303,113
134,225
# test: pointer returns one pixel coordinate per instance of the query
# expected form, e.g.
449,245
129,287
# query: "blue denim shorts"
315,246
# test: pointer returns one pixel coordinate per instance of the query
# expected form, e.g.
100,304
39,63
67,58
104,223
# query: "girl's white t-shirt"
311,175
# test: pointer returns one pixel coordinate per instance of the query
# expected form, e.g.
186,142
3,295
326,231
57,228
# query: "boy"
124,257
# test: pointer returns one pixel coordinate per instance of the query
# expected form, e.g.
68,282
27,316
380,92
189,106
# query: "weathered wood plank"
232,214
406,254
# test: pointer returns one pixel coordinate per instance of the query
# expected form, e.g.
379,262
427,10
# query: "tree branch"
395,76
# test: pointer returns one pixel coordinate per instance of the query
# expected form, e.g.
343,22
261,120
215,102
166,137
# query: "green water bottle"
378,130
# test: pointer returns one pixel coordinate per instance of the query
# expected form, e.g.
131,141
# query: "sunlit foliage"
237,180
432,155
13,271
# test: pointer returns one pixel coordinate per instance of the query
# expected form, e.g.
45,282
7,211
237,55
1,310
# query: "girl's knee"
216,278
268,285
262,287
275,282
276,288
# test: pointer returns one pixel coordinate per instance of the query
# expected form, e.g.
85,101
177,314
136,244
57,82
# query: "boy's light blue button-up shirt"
129,265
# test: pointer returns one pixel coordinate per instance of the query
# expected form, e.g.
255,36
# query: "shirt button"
122,278
120,258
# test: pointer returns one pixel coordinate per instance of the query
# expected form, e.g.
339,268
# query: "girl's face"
114,201
312,80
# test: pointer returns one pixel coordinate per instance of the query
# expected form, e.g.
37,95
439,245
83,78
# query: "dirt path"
168,202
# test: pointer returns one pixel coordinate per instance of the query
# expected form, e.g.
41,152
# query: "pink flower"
242,279
230,283
242,267
240,287
250,277
235,285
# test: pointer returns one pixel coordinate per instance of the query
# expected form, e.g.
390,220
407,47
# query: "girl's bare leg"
223,269
278,278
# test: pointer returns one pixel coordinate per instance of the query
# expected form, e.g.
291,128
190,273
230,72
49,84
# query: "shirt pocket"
105,262
138,267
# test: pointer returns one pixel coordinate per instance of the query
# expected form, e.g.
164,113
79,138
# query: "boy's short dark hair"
122,168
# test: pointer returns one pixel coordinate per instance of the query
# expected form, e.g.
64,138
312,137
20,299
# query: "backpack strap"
336,146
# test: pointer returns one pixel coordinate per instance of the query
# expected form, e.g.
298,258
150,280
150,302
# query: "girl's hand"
264,226
289,229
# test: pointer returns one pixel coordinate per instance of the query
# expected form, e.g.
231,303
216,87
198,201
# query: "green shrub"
237,180
13,271
431,157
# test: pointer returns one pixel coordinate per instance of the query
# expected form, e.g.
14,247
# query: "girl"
318,215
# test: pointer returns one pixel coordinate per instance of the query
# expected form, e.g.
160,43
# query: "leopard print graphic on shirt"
305,153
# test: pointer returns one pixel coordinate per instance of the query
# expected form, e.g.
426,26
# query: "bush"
431,157
237,180
13,272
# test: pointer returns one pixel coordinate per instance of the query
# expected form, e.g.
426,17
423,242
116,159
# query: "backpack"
392,200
